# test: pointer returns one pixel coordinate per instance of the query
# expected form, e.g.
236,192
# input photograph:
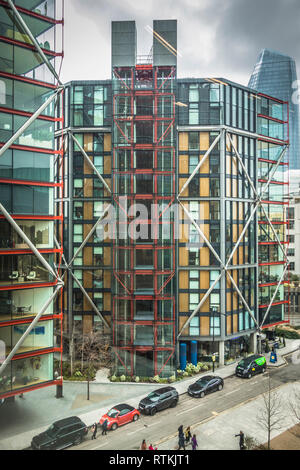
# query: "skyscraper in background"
274,74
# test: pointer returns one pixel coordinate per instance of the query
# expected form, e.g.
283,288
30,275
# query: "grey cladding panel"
162,54
123,43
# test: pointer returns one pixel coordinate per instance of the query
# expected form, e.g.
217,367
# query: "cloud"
215,37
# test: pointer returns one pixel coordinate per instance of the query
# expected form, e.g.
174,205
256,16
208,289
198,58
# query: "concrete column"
221,353
253,342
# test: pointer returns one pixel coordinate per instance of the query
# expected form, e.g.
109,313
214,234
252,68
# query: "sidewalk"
218,433
39,409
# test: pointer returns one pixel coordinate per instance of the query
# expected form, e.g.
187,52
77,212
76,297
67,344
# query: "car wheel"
249,375
153,411
174,403
114,427
78,440
135,418
220,387
202,395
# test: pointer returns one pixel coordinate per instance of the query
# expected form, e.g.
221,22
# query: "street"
190,411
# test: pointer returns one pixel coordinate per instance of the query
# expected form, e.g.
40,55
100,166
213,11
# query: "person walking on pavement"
144,445
181,443
180,430
187,434
194,442
104,427
242,440
94,429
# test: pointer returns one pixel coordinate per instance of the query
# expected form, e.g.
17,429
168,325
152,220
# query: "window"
195,326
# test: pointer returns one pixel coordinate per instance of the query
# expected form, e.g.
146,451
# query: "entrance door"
144,364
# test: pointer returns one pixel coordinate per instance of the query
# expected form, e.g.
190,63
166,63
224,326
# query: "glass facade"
185,160
275,74
88,112
29,183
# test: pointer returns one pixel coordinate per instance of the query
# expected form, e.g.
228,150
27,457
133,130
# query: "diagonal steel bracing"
90,163
34,41
257,203
30,327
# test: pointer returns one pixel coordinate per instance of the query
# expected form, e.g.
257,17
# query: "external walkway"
22,419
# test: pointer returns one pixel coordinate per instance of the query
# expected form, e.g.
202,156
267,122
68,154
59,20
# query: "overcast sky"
217,38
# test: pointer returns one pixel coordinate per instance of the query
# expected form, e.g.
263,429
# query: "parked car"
166,397
251,365
119,415
205,385
61,434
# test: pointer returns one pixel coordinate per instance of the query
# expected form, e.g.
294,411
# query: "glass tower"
274,74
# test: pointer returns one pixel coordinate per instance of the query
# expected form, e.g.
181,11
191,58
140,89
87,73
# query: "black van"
61,434
251,365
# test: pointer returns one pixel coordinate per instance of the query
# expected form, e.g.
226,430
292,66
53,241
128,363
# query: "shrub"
137,379
156,378
113,378
172,378
122,378
77,373
185,374
205,367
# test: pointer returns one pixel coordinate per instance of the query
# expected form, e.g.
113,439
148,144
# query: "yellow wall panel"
204,326
183,143
204,279
182,321
183,302
183,279
183,164
107,143
204,140
183,256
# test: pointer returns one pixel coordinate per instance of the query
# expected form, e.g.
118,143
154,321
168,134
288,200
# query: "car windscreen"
112,413
153,396
203,382
245,362
52,431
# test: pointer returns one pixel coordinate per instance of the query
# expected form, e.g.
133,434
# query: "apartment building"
30,222
184,202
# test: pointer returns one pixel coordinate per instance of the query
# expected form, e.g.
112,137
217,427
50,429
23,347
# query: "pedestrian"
187,434
94,429
194,442
150,447
180,430
181,443
144,445
104,427
242,440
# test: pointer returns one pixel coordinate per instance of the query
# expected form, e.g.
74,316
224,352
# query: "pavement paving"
22,419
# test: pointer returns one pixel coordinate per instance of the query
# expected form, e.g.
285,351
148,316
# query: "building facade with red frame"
195,181
30,181
144,149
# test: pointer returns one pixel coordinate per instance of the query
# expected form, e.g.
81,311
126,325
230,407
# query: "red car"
119,415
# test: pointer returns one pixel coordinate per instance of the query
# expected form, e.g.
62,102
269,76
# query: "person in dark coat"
180,430
181,442
104,427
242,440
94,429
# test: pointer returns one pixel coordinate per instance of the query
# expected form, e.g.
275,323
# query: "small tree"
270,415
92,347
295,403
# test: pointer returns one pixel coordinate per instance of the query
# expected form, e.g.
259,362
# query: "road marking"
189,409
98,447
232,391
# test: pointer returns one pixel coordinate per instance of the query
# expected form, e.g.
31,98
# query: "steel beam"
201,162
30,327
28,242
29,121
91,163
34,41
